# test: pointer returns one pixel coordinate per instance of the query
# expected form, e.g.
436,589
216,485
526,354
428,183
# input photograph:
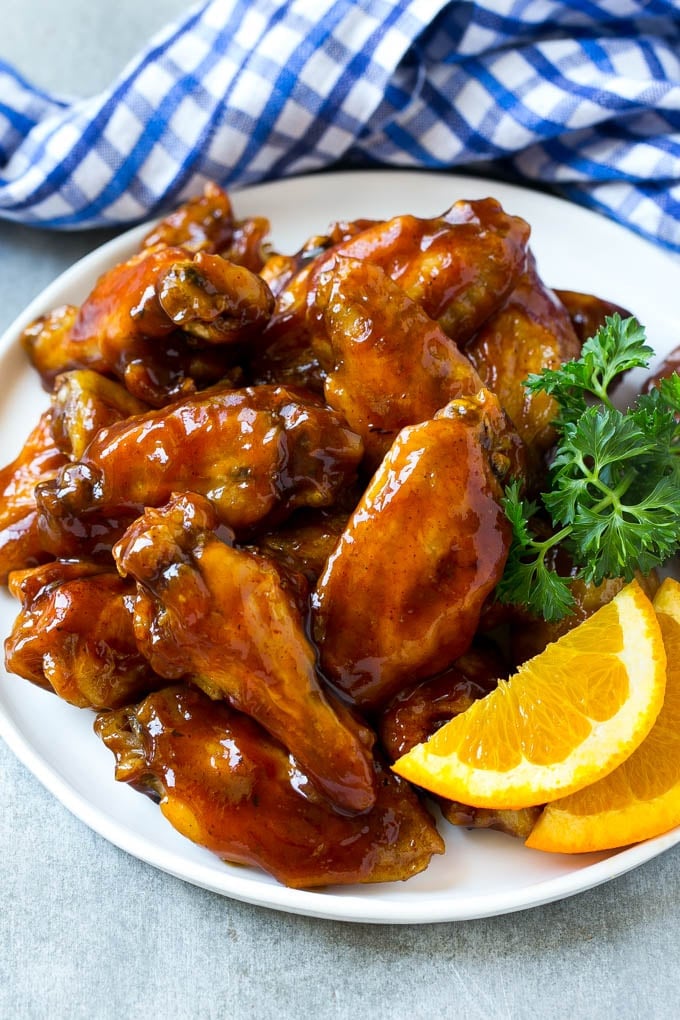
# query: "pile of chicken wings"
258,528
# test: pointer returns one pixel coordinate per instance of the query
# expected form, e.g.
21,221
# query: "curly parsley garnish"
614,494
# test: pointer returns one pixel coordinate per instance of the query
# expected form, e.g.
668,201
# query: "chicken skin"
83,402
21,544
303,543
161,322
206,223
588,312
222,618
402,593
387,363
284,353
458,267
74,635
415,714
255,453
227,785
531,332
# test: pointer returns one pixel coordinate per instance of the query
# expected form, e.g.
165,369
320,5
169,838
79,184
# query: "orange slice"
641,798
568,716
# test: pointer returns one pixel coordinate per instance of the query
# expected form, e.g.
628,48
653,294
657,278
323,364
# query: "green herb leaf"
614,496
527,579
617,346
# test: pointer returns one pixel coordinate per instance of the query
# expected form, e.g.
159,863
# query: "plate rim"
312,903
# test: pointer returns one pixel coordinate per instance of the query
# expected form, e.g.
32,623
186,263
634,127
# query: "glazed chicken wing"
458,267
227,785
48,344
531,332
401,595
203,223
21,544
284,353
223,618
588,312
415,714
160,322
668,366
303,543
387,363
206,223
74,635
256,453
83,402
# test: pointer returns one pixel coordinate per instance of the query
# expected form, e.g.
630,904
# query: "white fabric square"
334,141
355,29
158,169
320,72
361,99
251,93
123,129
390,49
473,103
440,140
91,173
508,133
279,43
153,82
294,119
187,122
189,52
217,80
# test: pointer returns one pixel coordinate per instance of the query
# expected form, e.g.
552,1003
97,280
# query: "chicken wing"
387,363
303,543
74,635
21,544
223,618
227,785
668,366
414,715
401,595
285,354
206,223
588,312
124,329
531,332
83,402
256,453
459,267
213,299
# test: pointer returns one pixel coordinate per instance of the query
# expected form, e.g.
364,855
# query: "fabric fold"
582,98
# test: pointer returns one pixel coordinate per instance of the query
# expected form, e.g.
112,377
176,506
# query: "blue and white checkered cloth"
583,97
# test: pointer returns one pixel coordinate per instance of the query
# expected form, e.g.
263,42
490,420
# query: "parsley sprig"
614,495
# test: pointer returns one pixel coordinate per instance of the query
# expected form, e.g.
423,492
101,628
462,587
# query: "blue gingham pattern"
583,97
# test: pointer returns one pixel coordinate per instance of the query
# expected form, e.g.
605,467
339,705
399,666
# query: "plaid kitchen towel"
583,97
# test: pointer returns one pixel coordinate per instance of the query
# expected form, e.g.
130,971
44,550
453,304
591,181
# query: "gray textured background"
87,931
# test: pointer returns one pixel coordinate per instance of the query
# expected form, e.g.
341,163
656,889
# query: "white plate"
482,873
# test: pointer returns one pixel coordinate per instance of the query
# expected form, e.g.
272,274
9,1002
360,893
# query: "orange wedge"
641,798
567,717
